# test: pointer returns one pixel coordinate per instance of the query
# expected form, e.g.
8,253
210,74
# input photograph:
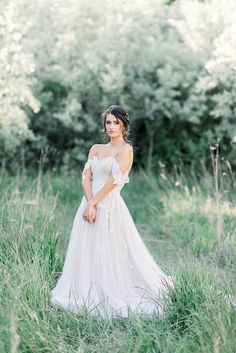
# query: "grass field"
188,224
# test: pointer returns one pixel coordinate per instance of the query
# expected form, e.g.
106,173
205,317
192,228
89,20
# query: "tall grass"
178,221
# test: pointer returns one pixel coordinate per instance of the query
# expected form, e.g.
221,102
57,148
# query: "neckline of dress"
98,159
114,157
102,159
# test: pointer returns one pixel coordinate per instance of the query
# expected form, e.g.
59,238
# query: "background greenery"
63,62
172,64
177,219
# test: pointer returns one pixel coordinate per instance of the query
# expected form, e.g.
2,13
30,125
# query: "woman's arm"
87,176
125,161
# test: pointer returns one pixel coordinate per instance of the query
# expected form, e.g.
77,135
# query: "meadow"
172,65
187,222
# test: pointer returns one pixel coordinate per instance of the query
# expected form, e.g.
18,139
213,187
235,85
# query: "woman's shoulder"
127,147
96,146
94,150
126,151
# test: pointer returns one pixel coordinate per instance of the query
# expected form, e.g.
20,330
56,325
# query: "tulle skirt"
108,269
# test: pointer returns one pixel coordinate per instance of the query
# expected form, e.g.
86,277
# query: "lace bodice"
102,169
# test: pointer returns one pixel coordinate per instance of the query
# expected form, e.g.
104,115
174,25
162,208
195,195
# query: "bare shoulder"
125,157
97,146
93,147
127,149
126,153
93,150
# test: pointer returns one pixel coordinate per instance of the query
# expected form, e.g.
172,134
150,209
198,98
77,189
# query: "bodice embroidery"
119,178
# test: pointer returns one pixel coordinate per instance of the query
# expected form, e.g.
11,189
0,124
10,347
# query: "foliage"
15,84
175,76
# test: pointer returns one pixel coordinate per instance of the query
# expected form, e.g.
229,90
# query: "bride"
108,269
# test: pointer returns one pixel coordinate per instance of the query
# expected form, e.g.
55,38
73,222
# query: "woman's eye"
115,122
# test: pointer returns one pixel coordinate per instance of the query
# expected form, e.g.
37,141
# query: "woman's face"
113,126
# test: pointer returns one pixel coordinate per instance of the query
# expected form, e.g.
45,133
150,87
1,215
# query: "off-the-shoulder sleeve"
86,166
119,178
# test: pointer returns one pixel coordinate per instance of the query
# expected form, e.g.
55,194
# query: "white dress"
108,269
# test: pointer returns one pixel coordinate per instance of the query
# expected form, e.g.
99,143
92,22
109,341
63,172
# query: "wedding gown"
108,268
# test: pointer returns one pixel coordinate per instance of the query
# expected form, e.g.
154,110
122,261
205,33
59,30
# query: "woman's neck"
116,142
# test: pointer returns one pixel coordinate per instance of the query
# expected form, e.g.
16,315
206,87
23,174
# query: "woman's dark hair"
120,113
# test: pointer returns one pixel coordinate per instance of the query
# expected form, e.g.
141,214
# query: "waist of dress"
98,186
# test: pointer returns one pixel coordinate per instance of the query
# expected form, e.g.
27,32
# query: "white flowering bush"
209,29
16,69
172,66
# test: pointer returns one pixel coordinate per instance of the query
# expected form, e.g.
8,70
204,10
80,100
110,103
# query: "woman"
108,268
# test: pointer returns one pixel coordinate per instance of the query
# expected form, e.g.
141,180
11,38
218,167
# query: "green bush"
176,77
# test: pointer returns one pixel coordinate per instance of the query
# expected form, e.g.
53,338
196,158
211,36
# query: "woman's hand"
93,217
90,213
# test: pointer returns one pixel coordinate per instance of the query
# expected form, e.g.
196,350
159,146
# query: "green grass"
177,220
